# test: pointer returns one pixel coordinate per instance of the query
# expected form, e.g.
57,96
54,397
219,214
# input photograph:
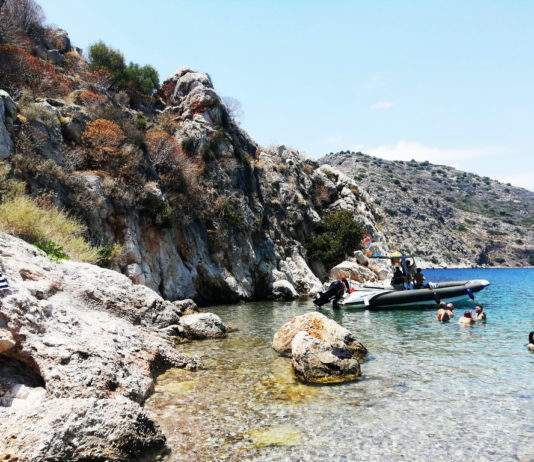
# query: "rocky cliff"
444,216
199,209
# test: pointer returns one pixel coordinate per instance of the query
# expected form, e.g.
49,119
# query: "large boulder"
352,270
315,361
320,327
284,290
203,325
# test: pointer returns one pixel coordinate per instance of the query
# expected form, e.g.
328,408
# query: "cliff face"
199,208
445,216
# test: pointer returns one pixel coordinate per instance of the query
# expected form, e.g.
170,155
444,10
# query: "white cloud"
382,105
407,150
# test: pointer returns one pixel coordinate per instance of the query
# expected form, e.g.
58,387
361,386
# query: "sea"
428,391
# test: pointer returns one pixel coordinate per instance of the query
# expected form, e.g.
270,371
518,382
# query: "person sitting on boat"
334,292
480,314
442,315
466,319
531,341
418,279
450,310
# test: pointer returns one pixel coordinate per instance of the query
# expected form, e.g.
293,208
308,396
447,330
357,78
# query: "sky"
451,82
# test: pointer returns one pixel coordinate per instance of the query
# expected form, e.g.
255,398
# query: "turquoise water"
429,391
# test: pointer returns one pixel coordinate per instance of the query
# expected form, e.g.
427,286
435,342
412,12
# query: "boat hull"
453,291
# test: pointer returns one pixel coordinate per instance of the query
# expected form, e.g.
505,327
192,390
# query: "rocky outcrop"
81,348
443,216
236,231
319,327
316,361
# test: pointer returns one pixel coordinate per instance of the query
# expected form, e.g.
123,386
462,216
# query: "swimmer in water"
466,319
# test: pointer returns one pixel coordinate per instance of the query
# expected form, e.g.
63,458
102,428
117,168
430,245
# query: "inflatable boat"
400,293
370,297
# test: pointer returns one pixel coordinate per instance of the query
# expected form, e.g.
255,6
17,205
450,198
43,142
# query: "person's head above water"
418,270
531,337
467,314
479,309
450,306
442,305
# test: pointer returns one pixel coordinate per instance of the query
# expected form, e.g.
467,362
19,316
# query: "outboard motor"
335,291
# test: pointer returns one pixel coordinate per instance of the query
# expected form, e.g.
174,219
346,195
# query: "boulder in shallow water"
203,325
315,361
284,290
320,327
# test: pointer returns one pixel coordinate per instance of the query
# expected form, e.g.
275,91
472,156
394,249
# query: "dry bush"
19,70
90,98
104,139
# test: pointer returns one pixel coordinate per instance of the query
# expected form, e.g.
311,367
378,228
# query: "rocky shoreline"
83,347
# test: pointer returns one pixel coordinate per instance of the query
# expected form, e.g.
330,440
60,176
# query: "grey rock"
315,361
55,57
6,144
284,290
202,326
77,429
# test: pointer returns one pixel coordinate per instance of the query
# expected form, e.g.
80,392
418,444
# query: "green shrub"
107,253
531,259
144,79
53,250
340,236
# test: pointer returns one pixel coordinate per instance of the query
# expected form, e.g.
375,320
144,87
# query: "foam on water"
429,391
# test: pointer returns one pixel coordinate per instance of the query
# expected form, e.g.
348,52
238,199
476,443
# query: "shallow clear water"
429,391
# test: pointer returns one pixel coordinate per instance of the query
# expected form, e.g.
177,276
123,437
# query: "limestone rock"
77,429
6,144
315,361
55,57
186,306
361,259
88,346
203,325
319,327
284,290
351,270
7,341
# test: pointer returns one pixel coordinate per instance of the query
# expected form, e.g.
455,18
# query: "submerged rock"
203,325
320,327
315,361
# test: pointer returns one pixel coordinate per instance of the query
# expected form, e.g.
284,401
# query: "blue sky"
446,81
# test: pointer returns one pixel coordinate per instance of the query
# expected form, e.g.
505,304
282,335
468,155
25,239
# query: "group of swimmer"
446,313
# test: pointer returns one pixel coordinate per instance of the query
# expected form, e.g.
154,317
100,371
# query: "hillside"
167,187
445,216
